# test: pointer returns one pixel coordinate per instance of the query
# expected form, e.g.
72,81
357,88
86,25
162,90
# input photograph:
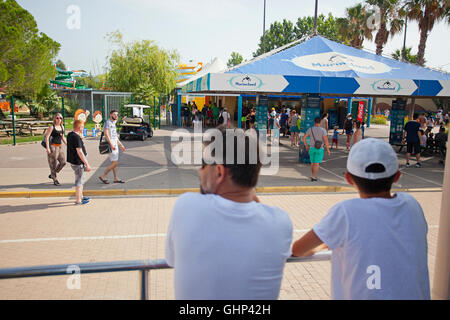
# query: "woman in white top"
324,122
357,136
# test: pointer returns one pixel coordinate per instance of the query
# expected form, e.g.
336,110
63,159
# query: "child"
423,143
379,241
335,137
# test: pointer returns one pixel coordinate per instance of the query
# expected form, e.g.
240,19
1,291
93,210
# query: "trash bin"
85,132
94,132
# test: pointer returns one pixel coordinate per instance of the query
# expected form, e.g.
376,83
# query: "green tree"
26,54
280,34
141,65
92,82
409,57
427,13
353,28
60,64
235,59
390,21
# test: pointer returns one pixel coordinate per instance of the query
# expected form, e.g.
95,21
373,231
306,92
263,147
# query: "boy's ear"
349,179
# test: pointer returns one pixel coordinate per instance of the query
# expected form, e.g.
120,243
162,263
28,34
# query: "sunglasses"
58,118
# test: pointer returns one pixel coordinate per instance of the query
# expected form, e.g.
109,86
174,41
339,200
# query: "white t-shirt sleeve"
170,249
333,228
170,253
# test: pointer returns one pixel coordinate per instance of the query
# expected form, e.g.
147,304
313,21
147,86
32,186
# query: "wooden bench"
8,131
31,130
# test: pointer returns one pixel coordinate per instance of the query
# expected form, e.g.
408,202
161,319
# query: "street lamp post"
315,17
264,28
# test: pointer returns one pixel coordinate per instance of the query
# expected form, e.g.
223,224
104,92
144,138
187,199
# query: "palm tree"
391,22
353,27
427,13
406,54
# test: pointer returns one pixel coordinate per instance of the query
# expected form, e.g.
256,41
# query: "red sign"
360,111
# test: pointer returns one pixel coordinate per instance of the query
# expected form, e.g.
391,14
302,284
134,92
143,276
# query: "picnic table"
33,126
24,127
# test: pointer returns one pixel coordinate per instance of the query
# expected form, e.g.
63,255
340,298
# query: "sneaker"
408,165
82,202
418,165
313,179
86,198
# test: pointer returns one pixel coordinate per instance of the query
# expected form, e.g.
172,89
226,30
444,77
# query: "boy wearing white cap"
379,241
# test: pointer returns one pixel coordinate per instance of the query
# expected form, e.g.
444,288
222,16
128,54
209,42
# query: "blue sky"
199,30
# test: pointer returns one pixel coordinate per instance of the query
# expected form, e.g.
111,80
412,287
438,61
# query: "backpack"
221,118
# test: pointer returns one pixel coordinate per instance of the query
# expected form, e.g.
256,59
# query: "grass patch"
20,139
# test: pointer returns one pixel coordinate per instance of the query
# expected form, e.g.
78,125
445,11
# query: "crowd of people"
209,116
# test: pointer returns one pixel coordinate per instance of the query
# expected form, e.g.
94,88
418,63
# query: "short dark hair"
317,120
369,186
246,174
113,110
415,116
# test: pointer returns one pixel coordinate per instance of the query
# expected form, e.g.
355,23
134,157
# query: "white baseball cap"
368,152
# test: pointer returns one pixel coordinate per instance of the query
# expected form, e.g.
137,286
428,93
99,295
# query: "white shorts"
114,155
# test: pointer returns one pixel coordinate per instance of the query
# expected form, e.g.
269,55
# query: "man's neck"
236,194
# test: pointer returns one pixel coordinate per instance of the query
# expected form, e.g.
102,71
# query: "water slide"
186,71
66,79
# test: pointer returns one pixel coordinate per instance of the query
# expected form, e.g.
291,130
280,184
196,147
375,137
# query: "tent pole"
441,283
179,109
239,112
369,113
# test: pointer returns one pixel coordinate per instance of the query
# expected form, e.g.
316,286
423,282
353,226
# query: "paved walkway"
148,165
50,231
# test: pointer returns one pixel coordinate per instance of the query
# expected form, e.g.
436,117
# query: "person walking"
110,131
223,243
357,136
54,137
324,121
412,137
284,122
318,138
348,129
292,121
77,157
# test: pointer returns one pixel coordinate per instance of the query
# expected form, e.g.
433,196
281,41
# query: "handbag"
317,143
104,146
44,143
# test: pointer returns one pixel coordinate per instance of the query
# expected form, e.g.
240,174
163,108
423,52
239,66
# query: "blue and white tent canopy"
325,67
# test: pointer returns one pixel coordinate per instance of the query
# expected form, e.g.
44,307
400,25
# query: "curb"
168,192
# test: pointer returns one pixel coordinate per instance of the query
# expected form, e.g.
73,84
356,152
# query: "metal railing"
144,266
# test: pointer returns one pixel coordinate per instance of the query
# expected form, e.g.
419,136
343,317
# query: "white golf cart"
137,125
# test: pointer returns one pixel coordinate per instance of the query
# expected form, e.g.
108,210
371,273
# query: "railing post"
144,284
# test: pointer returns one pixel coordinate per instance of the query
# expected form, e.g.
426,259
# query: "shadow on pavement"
34,207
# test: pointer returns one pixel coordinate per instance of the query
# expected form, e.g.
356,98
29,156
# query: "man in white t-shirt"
223,243
379,241
110,132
